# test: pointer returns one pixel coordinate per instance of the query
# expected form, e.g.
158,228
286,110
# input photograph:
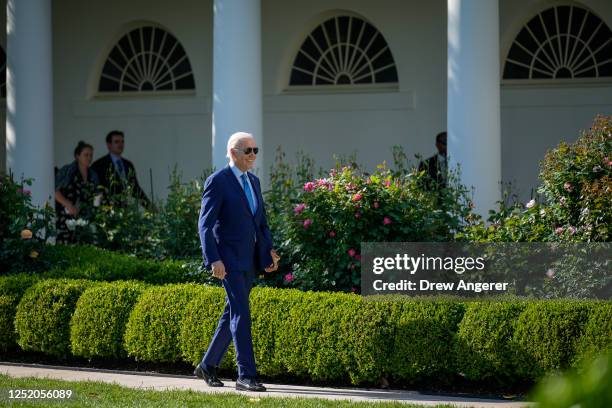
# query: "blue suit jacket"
228,228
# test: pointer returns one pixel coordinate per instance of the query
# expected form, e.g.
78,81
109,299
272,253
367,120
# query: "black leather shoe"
208,375
249,384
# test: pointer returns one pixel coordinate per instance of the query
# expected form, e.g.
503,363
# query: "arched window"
2,73
561,42
147,59
344,50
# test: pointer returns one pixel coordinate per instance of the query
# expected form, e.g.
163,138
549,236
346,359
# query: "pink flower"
321,182
288,277
357,214
550,273
353,289
299,208
350,186
568,186
376,204
530,204
352,266
24,191
387,221
572,230
562,200
607,162
332,234
388,183
307,223
357,197
559,230
358,257
309,186
352,252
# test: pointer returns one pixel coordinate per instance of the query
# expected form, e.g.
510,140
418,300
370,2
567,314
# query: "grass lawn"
97,394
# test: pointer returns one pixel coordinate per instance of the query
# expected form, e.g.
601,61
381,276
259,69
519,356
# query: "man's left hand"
275,259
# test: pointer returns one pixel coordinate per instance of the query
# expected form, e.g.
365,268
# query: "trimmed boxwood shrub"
12,288
547,333
43,315
89,262
597,336
102,312
485,347
153,329
423,346
269,311
198,325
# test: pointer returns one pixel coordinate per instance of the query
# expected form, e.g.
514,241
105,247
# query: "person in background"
117,174
436,167
76,192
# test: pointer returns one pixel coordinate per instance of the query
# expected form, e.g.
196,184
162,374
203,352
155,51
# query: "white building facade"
508,79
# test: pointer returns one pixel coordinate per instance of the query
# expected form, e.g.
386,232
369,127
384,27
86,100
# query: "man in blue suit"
236,243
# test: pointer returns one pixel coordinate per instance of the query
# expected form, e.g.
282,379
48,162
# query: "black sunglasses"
248,150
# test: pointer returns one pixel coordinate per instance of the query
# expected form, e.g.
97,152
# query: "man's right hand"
218,270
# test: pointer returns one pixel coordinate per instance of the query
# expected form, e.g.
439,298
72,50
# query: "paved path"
164,382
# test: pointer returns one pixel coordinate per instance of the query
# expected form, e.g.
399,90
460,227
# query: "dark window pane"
388,75
186,83
578,15
513,71
300,78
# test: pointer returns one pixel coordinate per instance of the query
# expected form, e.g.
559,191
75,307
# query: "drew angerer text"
425,285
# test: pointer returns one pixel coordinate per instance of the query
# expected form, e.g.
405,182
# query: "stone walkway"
164,382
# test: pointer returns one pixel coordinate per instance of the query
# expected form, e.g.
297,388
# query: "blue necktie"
121,168
247,191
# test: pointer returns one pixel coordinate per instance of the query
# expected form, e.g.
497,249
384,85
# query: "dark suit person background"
236,242
436,166
116,173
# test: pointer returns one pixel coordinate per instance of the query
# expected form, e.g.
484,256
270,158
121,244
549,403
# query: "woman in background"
75,193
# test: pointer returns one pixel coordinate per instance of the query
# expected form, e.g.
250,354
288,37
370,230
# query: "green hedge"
325,337
12,289
597,336
89,262
43,315
424,339
485,346
198,325
101,315
153,329
547,335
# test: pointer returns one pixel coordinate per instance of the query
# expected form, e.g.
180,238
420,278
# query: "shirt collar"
115,158
237,172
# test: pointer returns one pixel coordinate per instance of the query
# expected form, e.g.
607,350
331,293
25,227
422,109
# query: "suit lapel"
237,188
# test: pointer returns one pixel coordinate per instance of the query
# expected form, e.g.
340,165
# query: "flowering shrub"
332,216
23,227
577,196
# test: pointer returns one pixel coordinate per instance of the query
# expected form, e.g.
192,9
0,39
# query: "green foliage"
178,218
43,315
99,321
597,336
323,231
153,329
12,288
424,339
198,325
90,262
547,334
589,388
576,186
485,348
23,228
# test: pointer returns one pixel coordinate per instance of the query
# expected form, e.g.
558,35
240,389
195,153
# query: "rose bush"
330,217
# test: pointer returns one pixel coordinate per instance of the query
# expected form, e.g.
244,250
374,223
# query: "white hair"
235,140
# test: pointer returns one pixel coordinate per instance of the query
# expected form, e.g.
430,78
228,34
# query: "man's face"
242,160
116,145
441,145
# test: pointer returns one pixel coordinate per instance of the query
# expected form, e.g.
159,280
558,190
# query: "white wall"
368,123
536,117
160,131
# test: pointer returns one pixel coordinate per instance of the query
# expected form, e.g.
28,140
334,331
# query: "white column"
29,95
473,112
237,94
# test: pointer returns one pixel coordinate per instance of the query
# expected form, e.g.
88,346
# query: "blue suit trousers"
235,324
